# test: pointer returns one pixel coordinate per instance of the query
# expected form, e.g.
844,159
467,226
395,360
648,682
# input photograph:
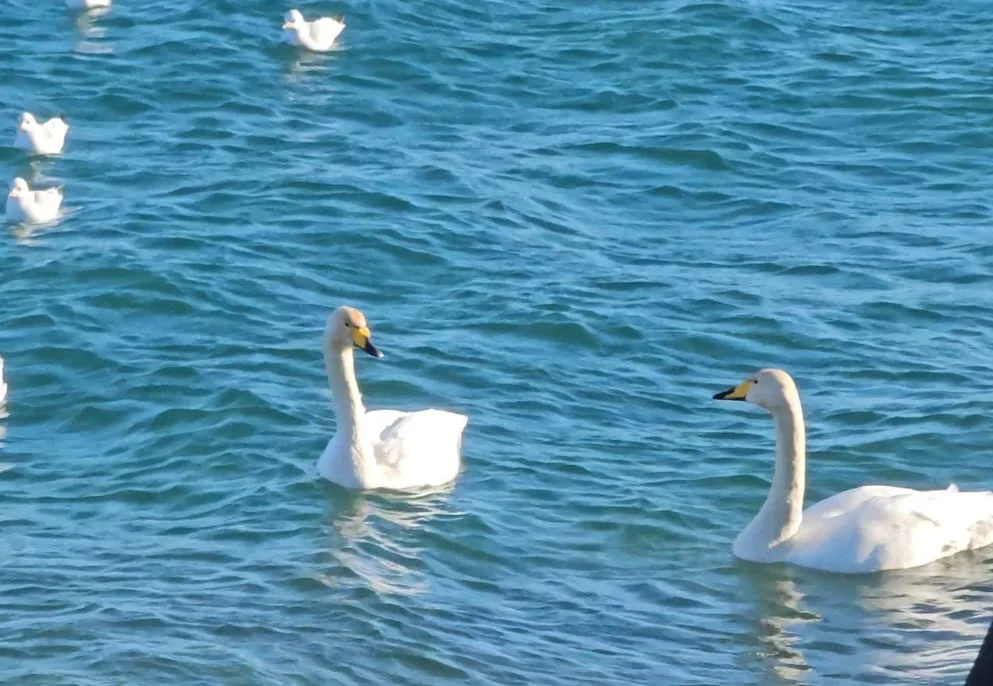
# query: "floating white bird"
87,4
318,35
866,529
382,448
37,207
3,384
43,139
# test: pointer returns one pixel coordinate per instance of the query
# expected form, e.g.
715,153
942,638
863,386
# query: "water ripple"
573,224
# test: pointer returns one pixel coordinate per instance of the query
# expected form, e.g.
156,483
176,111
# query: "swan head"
347,328
292,19
18,187
772,389
28,122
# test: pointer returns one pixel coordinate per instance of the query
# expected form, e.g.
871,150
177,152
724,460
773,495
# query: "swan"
866,529
87,4
318,35
42,139
36,207
382,448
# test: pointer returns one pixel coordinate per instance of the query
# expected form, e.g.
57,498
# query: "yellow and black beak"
362,340
739,392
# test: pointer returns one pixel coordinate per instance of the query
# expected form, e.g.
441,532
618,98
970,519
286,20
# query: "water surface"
573,223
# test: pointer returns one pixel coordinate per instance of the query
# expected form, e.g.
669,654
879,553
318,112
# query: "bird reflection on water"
375,541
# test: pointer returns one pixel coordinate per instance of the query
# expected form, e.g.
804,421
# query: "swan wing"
56,130
420,448
376,422
326,29
874,528
50,198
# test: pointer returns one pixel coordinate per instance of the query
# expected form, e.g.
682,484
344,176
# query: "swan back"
875,528
421,448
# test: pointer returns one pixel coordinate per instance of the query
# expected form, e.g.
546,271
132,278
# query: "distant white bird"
3,384
37,207
43,139
318,35
86,4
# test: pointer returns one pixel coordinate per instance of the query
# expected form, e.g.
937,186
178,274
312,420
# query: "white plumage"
87,4
36,207
41,138
386,449
866,529
318,35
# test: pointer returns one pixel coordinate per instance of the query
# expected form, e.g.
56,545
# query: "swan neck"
785,501
781,514
347,397
349,410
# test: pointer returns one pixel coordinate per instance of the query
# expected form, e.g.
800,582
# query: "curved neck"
782,511
349,411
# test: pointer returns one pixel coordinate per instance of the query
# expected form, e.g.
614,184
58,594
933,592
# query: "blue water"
572,222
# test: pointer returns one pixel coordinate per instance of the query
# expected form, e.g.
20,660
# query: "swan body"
46,138
386,449
87,4
866,529
318,35
36,207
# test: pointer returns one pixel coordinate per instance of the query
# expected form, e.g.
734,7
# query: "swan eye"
755,381
347,323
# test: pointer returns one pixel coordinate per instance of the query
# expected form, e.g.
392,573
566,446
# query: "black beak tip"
725,395
372,350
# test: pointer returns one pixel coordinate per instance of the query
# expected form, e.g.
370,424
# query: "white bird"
318,35
866,529
42,139
37,207
381,448
3,384
87,4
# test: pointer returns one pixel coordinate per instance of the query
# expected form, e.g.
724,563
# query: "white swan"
87,4
36,207
382,448
866,529
318,35
42,139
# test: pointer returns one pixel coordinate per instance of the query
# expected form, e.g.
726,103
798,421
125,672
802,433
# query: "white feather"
866,529
383,448
36,207
318,35
46,138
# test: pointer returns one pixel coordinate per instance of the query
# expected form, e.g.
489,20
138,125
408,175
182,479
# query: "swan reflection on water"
921,625
375,542
779,611
92,35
